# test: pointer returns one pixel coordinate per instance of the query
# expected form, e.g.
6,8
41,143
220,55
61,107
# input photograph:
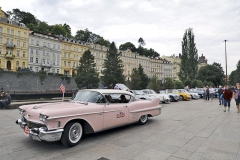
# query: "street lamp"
226,58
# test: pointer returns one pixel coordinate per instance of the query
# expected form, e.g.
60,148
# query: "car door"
115,113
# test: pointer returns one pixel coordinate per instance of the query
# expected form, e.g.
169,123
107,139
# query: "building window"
11,52
31,51
0,40
54,62
32,41
18,53
19,33
57,63
36,69
23,65
7,40
53,70
64,63
64,55
44,44
69,64
24,53
36,60
68,47
31,68
18,43
11,41
8,31
17,64
58,46
37,43
49,45
25,34
31,59
64,46
57,70
54,46
68,55
1,29
24,44
36,51
12,32
43,61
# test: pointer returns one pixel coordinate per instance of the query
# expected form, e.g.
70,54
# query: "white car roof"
111,91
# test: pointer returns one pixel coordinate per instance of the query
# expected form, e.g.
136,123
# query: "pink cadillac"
92,110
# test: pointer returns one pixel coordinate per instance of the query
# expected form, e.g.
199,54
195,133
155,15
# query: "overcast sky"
161,23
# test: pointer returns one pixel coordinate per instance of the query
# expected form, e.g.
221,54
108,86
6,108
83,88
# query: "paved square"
195,130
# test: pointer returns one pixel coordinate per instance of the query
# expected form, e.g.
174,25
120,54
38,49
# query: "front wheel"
143,119
72,134
171,99
181,98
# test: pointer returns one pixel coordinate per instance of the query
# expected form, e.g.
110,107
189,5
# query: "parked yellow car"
183,95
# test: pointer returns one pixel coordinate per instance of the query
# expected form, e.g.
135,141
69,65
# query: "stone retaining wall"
10,81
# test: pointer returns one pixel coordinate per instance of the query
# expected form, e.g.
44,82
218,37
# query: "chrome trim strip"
146,109
74,115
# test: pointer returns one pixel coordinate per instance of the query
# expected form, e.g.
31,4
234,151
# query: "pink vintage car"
92,110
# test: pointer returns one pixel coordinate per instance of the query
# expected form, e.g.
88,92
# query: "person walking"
227,95
220,92
207,93
211,93
236,96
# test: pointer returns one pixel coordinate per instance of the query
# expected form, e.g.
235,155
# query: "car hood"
33,111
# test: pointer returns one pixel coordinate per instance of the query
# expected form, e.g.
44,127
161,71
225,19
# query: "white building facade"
44,53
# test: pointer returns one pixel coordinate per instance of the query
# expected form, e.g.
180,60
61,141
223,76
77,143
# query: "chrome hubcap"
143,118
75,133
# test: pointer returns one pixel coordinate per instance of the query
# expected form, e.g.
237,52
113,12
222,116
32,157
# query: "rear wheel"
143,119
72,134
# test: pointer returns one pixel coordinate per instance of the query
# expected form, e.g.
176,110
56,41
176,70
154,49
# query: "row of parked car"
168,95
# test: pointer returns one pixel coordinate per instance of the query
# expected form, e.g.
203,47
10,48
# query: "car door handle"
124,106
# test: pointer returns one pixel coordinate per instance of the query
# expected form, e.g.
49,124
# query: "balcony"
9,56
9,45
46,65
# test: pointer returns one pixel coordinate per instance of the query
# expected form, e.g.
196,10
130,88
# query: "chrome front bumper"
41,134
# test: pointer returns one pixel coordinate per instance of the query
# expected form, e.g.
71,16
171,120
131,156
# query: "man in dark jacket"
220,92
6,100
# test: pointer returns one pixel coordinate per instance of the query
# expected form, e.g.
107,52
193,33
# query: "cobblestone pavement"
185,130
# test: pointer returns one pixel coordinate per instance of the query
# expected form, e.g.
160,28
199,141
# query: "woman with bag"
236,96
227,96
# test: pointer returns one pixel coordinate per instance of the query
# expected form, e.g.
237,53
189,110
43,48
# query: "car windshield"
152,92
137,92
89,96
175,91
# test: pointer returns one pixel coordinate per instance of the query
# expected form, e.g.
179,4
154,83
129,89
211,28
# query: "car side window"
118,98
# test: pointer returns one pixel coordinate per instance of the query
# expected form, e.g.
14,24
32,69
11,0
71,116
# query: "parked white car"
164,98
141,95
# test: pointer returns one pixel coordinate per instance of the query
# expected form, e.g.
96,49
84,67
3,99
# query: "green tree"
194,83
58,30
154,83
43,28
199,84
87,76
113,68
143,77
189,58
212,73
128,45
24,17
205,83
141,42
237,74
178,85
188,82
168,84
135,82
232,79
68,30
